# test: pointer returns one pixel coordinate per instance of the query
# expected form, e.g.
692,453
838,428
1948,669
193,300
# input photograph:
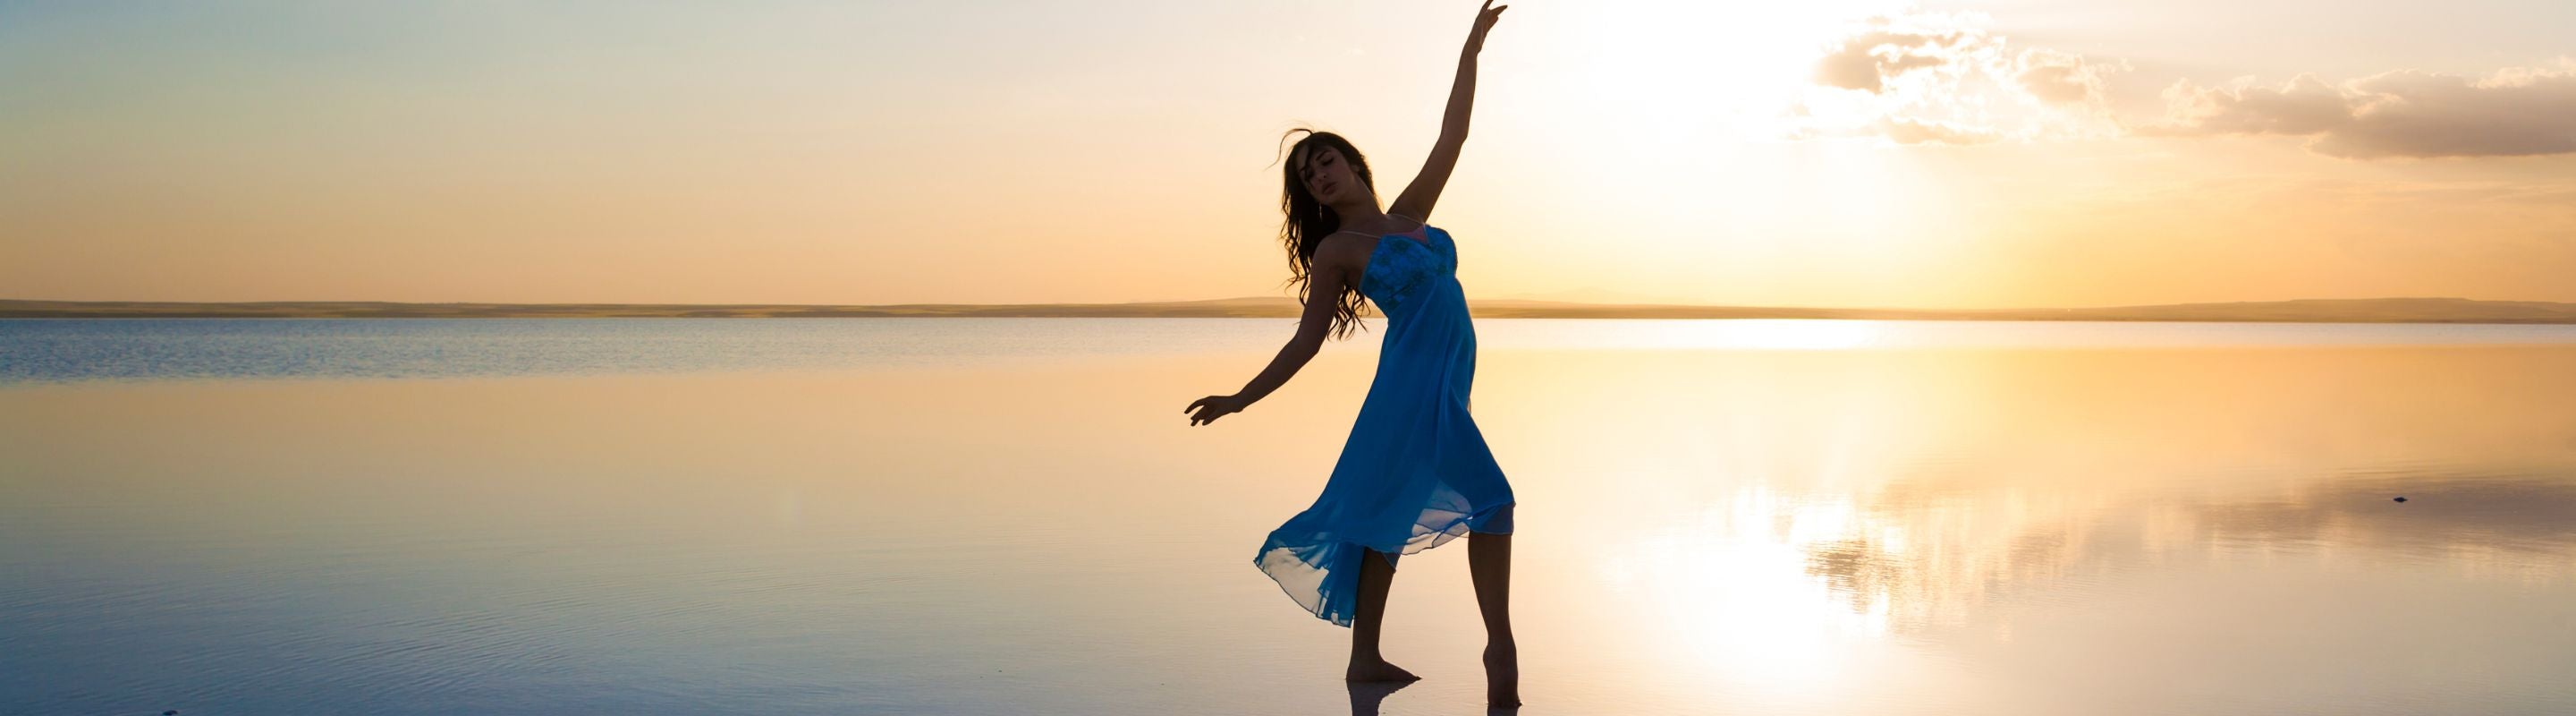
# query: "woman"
1415,471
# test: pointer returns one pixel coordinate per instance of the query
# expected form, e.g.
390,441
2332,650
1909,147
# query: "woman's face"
1328,175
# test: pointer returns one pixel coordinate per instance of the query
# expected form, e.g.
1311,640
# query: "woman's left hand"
1209,408
1485,18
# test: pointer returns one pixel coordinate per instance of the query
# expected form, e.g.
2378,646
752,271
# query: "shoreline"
2388,310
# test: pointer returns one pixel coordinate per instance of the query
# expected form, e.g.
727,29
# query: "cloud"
2061,78
1867,60
2306,105
1932,78
2514,112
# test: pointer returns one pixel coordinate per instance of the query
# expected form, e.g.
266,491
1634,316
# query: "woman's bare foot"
1502,674
1376,670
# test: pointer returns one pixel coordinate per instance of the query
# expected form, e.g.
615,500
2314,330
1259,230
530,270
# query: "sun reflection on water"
1731,590
1794,590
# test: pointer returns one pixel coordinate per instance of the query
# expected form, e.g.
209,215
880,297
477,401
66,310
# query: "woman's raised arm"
1418,197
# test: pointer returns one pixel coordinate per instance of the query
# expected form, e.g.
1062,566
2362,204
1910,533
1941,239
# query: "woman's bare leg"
1489,565
1376,576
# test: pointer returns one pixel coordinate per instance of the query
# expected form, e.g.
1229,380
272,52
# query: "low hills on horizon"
2363,310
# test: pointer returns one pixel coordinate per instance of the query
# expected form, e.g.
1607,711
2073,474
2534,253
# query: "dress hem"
1450,530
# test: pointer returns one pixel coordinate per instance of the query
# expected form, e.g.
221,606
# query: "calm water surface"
971,516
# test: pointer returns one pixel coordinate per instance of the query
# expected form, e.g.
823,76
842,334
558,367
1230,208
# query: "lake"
1005,516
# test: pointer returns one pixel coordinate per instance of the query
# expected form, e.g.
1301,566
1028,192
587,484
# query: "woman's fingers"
1209,408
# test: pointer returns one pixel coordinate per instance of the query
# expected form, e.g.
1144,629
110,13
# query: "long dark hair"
1309,221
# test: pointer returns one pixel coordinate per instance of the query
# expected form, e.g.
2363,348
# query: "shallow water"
1011,516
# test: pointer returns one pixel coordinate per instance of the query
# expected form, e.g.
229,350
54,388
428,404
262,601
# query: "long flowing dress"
1415,472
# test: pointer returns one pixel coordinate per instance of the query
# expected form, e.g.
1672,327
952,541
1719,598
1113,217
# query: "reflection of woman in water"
1415,472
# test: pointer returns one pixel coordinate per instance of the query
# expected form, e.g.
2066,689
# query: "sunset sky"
1827,153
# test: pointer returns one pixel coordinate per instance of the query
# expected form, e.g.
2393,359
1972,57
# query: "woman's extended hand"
1212,406
1485,18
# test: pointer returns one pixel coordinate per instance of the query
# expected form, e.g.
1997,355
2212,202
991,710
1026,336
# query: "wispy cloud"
1937,78
1917,77
2406,113
1886,50
2062,78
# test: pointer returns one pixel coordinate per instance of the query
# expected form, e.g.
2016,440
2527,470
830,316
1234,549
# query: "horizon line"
1230,299
2321,310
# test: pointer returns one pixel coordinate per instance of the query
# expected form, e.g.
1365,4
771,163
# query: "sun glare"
1734,68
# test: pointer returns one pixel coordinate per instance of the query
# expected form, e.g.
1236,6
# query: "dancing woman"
1415,472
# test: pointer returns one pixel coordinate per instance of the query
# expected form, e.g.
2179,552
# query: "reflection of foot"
1503,674
1365,695
1376,670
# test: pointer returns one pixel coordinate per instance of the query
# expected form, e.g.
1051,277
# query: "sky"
1852,153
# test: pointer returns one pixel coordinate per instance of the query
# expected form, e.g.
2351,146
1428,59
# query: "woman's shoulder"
1347,247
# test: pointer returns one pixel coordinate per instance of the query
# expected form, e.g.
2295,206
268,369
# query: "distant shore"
2369,310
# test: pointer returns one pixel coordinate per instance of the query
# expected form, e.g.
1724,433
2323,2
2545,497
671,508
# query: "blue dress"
1415,472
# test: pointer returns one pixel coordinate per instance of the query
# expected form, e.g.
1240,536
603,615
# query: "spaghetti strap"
1418,225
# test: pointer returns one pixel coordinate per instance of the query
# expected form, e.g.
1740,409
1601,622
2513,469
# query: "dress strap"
1418,225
